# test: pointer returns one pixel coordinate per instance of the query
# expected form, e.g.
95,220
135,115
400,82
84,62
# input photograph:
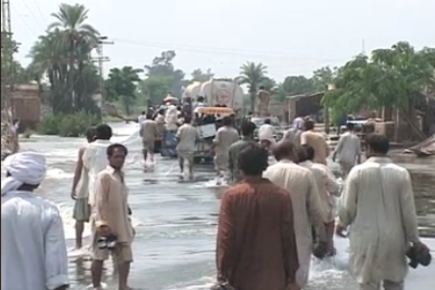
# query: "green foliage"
199,76
64,56
322,78
27,134
71,125
162,67
9,66
391,77
122,86
155,88
252,75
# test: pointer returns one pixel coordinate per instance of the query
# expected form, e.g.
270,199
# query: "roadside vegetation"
397,77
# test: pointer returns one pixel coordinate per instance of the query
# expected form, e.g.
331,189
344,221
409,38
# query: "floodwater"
176,221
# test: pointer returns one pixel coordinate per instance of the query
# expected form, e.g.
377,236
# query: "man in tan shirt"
149,131
186,136
111,212
225,137
317,141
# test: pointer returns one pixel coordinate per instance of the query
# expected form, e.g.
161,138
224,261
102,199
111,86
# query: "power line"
31,13
24,21
227,51
101,59
40,12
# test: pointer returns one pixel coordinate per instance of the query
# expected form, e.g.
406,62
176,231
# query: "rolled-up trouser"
186,155
148,145
388,285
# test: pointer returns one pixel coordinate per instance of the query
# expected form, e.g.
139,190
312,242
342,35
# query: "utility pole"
6,16
101,59
7,79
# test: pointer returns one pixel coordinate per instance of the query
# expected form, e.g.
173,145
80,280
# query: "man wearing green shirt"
248,129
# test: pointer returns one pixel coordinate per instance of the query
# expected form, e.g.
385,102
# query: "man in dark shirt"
248,129
256,244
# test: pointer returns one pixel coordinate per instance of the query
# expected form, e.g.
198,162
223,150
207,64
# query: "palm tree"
123,83
253,75
78,37
50,58
71,21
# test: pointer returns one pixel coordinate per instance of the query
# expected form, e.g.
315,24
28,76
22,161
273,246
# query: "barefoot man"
307,207
82,210
149,131
112,219
186,136
225,137
348,150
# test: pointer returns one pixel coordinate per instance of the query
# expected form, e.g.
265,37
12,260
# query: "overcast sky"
290,37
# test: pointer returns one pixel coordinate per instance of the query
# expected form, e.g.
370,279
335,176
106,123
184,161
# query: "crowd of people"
277,216
272,218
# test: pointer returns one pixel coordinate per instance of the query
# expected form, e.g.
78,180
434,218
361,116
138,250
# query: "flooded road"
176,221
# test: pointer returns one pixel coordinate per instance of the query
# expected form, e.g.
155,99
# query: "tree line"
63,67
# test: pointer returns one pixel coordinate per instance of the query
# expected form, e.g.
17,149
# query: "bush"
73,125
28,133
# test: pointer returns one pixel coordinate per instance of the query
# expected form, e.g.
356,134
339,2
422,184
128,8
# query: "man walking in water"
186,136
248,129
33,246
378,203
82,211
308,210
327,187
266,134
317,141
294,133
142,117
348,150
94,157
225,137
113,230
149,131
256,244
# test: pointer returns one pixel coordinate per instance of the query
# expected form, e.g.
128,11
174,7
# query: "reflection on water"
176,221
424,192
423,179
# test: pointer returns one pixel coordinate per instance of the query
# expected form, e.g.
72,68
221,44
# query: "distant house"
306,104
26,104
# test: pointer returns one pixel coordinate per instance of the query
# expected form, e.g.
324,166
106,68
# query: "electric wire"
33,15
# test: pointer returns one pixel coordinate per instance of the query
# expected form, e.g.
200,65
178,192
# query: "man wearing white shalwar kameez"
328,190
378,204
266,134
33,247
306,202
348,150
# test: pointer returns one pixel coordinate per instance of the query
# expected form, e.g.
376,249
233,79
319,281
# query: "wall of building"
27,105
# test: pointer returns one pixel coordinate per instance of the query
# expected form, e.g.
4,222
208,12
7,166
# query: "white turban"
24,168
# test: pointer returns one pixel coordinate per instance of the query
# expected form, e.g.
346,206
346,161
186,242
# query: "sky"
289,37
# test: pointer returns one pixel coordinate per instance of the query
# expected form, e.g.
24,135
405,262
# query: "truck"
222,92
222,97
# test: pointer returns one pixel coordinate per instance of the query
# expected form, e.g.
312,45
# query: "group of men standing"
34,255
268,220
101,198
